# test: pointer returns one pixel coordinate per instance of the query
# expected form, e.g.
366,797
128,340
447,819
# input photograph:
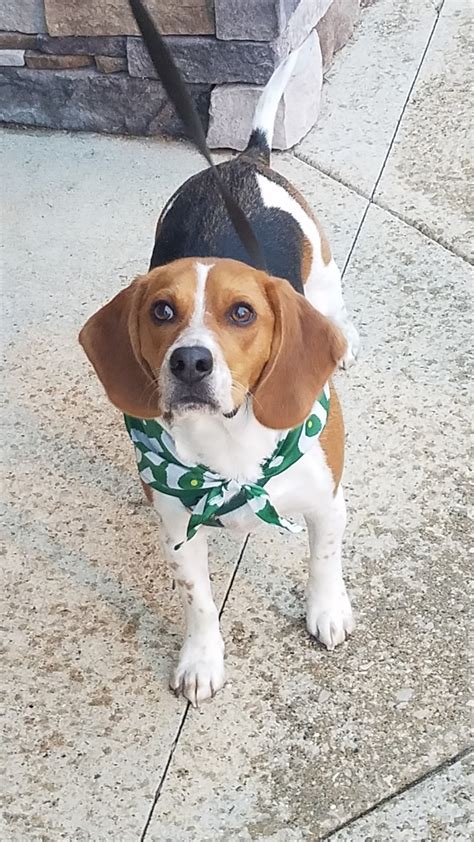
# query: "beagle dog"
223,374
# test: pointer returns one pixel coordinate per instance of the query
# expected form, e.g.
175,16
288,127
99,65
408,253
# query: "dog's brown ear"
110,340
306,349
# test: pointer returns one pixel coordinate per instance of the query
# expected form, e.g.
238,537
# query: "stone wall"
79,64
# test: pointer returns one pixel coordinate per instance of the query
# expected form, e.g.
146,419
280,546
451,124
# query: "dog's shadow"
33,539
75,520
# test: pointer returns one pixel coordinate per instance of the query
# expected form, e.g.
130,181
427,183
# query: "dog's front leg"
200,670
328,610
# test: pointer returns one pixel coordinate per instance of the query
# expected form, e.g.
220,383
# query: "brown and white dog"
229,358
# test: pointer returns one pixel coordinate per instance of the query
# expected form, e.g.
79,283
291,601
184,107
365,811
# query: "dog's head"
203,334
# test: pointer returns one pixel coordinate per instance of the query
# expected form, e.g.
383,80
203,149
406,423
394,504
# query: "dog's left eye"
241,314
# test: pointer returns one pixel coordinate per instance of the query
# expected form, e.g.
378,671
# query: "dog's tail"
260,140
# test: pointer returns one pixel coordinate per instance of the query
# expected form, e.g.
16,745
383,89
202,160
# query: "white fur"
267,106
197,318
217,442
200,671
328,610
323,286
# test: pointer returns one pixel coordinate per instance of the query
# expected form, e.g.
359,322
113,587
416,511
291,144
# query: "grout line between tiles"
354,241
446,764
424,232
188,705
385,207
352,187
371,200
402,113
409,224
390,146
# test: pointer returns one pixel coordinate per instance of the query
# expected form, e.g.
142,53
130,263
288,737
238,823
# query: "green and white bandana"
207,495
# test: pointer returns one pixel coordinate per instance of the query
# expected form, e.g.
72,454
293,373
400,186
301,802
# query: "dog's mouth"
183,399
232,413
191,403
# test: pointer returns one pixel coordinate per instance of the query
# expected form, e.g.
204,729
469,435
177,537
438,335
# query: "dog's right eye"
162,311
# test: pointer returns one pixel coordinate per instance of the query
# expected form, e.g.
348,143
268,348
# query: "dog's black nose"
191,364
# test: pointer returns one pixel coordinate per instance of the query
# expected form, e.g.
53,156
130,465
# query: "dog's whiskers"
153,385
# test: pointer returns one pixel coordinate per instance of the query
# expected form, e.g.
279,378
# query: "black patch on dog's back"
197,223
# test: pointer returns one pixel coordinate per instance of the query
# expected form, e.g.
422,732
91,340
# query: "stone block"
114,17
109,64
17,41
12,58
40,61
336,27
208,60
106,46
266,20
260,20
233,106
22,15
91,101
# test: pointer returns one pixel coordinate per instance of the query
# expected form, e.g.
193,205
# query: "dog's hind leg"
323,288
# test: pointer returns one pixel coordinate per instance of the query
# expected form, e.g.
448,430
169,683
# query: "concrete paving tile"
86,656
96,203
439,808
339,210
91,626
429,174
301,740
365,91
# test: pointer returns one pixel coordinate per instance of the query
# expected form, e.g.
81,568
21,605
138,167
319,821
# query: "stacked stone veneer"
79,64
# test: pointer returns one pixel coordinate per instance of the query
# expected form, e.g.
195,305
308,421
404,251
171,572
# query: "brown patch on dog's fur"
306,259
147,491
127,348
246,349
332,439
325,247
306,349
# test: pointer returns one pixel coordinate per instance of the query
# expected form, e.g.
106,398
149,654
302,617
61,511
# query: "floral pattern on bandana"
205,493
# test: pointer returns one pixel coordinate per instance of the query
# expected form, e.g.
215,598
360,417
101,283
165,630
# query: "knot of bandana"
207,495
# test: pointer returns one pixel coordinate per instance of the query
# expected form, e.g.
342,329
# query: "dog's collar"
206,494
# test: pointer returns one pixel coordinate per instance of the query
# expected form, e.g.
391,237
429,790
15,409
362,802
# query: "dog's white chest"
234,449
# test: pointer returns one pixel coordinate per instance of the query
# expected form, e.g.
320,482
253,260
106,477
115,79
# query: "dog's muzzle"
190,367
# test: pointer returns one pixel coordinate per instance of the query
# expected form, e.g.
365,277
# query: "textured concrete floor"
365,743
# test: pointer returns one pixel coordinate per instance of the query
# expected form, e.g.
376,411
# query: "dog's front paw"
353,344
200,671
329,617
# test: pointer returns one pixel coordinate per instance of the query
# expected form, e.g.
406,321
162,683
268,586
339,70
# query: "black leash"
178,93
